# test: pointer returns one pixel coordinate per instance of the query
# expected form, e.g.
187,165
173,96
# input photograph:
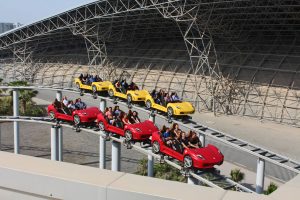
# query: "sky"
27,11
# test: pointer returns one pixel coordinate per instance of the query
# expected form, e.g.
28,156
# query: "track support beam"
102,140
54,143
102,151
115,156
260,176
16,124
60,143
150,164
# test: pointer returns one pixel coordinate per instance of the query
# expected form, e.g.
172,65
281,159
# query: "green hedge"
31,108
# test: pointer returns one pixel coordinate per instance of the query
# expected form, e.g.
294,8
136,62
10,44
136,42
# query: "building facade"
6,27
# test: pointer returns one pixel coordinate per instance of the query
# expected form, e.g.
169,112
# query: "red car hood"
146,127
210,153
90,112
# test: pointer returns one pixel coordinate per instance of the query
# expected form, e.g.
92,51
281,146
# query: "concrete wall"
25,177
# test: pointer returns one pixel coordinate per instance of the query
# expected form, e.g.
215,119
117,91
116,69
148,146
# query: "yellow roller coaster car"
178,108
94,87
130,95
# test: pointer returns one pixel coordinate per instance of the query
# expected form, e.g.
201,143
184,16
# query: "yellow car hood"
103,84
183,106
142,93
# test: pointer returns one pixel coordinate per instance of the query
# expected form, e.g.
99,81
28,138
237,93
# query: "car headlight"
201,157
137,129
136,94
84,113
178,107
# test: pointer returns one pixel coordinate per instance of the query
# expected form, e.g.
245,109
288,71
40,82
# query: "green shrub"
271,188
31,108
6,106
34,110
237,175
162,171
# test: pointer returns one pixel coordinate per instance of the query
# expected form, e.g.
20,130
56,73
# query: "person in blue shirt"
174,97
80,105
91,79
167,135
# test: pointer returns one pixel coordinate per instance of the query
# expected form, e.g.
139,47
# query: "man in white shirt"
65,101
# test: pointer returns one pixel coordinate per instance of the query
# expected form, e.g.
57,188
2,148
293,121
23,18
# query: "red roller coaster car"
199,158
132,132
84,116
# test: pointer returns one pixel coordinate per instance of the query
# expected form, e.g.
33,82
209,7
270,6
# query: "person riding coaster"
77,113
131,92
91,83
186,148
172,105
127,125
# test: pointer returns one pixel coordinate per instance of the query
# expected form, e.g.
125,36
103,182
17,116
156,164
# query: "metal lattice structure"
232,57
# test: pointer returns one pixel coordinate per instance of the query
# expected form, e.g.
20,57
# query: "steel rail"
48,121
216,135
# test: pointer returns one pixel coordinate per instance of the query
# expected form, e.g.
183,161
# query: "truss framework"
232,57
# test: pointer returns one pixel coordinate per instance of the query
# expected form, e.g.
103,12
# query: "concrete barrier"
25,177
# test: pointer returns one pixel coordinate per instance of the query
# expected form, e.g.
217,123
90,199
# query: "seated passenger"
194,140
71,106
167,99
65,101
84,78
98,79
57,105
87,82
135,87
174,97
124,86
161,96
64,108
153,94
175,129
134,118
185,139
91,79
109,115
167,137
125,119
80,77
129,115
80,105
117,111
118,86
118,122
177,146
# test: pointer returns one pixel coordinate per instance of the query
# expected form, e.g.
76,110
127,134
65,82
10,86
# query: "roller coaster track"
216,135
209,178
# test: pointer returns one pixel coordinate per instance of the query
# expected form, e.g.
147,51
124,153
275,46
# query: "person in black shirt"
80,77
194,140
185,139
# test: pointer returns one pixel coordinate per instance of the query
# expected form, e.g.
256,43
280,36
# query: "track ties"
229,187
256,149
